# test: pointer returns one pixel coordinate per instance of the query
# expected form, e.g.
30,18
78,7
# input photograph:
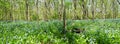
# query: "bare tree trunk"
27,10
11,17
75,6
64,15
93,8
11,8
64,19
37,9
105,9
61,10
56,8
84,9
6,12
47,10
115,9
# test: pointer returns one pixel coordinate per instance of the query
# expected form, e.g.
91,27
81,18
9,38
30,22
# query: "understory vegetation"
50,32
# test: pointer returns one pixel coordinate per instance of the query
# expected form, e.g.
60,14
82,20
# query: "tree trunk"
37,12
84,9
64,16
11,9
60,10
115,9
27,10
47,9
93,8
75,6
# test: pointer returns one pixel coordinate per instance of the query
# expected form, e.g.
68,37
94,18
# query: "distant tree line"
56,9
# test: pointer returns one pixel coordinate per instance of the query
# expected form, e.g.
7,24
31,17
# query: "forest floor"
97,31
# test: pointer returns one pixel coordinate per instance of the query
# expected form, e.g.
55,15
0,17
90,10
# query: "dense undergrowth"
96,32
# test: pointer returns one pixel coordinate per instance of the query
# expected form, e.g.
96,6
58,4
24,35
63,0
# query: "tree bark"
11,9
115,9
27,10
64,16
93,8
75,7
84,9
75,4
37,13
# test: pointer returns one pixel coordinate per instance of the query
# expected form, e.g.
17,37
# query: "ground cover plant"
50,32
